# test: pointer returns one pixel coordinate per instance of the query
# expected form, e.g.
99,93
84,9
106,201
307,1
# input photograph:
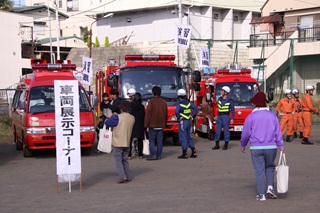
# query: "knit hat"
125,106
259,99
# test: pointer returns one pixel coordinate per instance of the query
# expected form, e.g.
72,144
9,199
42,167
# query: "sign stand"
57,183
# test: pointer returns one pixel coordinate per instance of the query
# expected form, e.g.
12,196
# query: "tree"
6,5
106,42
97,44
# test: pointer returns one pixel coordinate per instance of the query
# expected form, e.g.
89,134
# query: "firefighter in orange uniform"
307,109
297,118
285,109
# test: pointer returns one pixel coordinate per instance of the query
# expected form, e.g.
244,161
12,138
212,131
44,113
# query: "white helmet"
309,87
181,92
131,92
226,88
295,91
287,91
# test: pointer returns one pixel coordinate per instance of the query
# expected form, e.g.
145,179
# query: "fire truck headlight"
173,118
36,130
87,129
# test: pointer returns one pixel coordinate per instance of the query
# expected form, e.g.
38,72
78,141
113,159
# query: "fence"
6,96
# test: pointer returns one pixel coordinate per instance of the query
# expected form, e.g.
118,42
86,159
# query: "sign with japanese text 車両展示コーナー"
68,150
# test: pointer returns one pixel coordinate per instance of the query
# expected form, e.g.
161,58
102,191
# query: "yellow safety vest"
186,113
224,108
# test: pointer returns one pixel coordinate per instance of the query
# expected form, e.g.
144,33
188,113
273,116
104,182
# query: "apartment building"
286,42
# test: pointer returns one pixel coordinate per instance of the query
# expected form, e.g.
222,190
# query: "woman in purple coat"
262,129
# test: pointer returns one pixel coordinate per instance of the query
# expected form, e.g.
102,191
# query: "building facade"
286,42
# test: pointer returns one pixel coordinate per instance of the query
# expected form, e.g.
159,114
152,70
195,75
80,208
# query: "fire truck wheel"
18,143
26,151
175,140
86,151
211,135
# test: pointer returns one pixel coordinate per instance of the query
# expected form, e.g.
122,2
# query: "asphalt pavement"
216,181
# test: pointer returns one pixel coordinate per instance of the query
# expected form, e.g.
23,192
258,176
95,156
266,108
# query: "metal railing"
257,40
304,35
309,34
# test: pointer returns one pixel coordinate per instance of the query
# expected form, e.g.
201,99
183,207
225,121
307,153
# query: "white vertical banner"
87,71
204,58
183,35
68,150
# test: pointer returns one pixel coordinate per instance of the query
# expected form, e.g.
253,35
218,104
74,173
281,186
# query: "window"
216,16
235,18
60,3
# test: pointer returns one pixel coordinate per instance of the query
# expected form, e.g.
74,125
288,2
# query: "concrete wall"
11,63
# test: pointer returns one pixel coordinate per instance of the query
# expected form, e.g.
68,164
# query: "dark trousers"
140,147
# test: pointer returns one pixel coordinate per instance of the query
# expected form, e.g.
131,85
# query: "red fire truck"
142,72
242,88
33,109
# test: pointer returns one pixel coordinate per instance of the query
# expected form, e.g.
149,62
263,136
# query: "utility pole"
180,52
58,31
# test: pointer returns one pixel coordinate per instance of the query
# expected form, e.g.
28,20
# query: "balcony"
304,35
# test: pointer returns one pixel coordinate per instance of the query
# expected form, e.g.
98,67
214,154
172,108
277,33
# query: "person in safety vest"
185,111
285,109
225,106
307,109
297,118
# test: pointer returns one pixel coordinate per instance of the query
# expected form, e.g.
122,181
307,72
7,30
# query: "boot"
288,139
306,141
216,146
184,155
295,135
301,134
193,153
225,147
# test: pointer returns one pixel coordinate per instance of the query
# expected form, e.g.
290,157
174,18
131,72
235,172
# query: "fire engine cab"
142,73
242,88
33,109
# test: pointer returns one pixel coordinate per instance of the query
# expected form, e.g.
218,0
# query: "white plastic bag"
282,171
146,150
105,140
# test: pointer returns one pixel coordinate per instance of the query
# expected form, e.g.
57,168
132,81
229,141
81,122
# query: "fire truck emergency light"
53,67
150,57
233,71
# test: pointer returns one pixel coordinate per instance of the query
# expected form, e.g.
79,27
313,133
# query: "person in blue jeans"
185,111
156,120
262,129
225,106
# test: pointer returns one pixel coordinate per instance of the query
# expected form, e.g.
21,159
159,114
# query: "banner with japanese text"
183,36
68,150
204,58
87,71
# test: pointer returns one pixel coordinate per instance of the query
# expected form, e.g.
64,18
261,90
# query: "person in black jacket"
104,104
138,112
115,101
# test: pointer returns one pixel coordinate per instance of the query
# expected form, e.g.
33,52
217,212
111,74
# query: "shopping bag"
282,172
105,140
145,150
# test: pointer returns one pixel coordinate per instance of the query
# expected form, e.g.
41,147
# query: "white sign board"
204,58
68,150
87,71
183,35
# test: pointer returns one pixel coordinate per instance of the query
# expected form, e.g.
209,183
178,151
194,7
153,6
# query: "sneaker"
271,194
261,197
